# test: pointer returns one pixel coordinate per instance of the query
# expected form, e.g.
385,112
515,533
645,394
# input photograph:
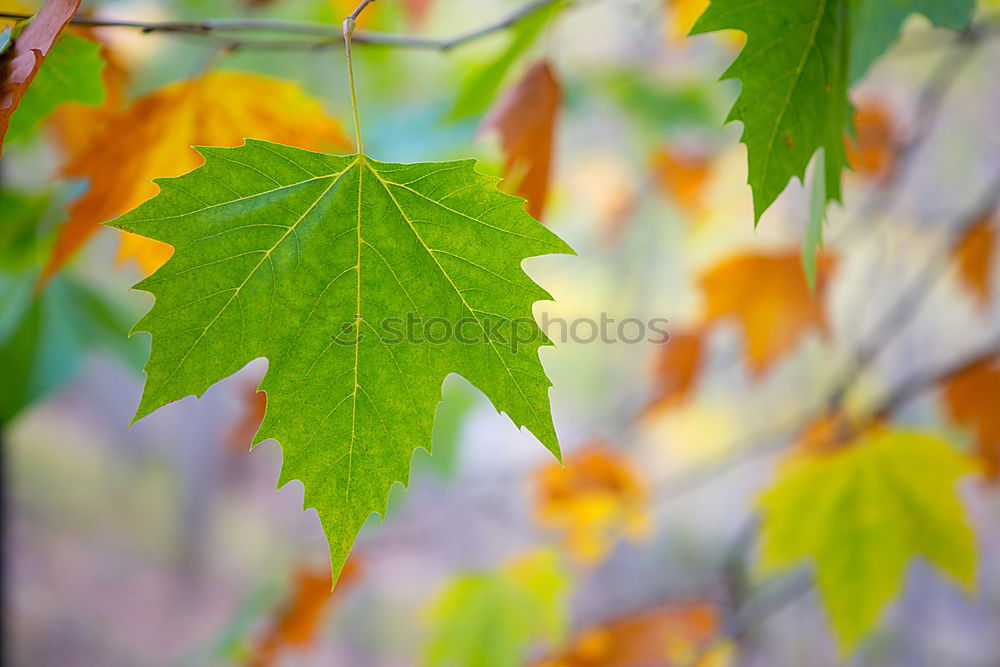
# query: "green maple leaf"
876,25
793,96
860,514
317,262
71,72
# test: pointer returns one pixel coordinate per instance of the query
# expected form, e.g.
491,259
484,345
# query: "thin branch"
323,35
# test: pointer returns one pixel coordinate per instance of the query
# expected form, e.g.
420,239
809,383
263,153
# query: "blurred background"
166,543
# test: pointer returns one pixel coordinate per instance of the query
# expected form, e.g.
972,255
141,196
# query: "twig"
329,35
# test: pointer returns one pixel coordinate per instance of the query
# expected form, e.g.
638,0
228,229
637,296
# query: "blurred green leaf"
663,105
860,513
814,227
19,228
793,95
45,337
70,73
492,619
876,24
480,86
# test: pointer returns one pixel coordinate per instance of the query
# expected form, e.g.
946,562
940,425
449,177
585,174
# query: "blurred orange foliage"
769,298
666,634
677,367
217,109
972,397
974,257
872,152
683,175
296,622
594,501
525,118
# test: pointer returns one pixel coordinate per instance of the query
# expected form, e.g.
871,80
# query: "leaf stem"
350,23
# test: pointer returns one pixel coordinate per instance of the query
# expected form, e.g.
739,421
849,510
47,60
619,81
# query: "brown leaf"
677,366
20,64
297,620
974,257
593,501
972,398
768,296
153,137
667,634
526,119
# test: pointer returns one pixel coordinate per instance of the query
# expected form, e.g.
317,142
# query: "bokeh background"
166,543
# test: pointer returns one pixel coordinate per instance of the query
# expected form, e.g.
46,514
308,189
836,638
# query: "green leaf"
480,86
70,73
491,619
876,25
793,96
813,238
860,513
321,264
44,337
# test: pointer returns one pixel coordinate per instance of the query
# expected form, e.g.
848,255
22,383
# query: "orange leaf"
682,175
971,398
769,298
153,139
677,369
299,617
526,118
666,634
872,151
594,501
974,256
20,64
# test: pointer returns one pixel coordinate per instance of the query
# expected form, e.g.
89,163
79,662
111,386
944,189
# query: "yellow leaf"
594,501
768,296
860,513
153,137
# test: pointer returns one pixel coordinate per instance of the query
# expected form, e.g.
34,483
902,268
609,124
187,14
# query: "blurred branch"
328,35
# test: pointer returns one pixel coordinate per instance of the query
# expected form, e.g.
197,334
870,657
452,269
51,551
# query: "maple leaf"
219,108
298,619
974,257
526,120
769,298
860,514
21,61
875,25
664,634
314,262
489,619
677,365
793,96
971,399
594,500
70,73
